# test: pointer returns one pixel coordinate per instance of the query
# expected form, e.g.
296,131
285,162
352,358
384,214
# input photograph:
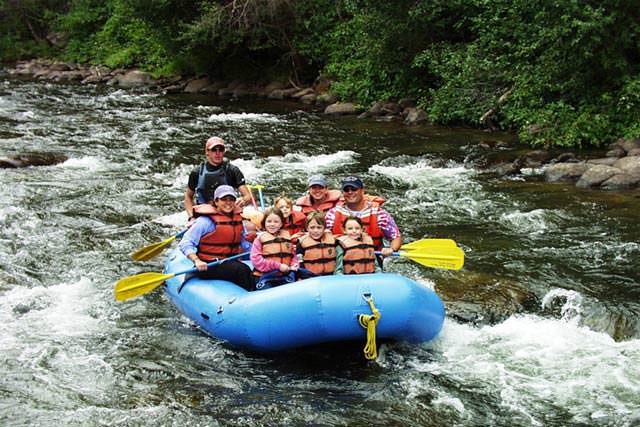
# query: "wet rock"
415,116
621,181
616,152
384,108
276,94
634,152
596,175
196,85
608,161
309,98
25,160
505,169
275,85
481,298
214,87
132,79
534,159
341,108
566,158
565,172
629,164
326,98
627,144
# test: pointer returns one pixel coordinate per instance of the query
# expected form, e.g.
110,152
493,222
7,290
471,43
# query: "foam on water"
536,365
242,117
90,163
536,221
60,310
276,168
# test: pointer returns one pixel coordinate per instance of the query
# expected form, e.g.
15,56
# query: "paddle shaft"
211,264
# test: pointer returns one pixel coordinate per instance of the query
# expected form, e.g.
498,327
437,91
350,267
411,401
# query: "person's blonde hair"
283,197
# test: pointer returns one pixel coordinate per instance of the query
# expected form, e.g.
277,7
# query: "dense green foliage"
560,72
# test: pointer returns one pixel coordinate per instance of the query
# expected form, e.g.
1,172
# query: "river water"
567,354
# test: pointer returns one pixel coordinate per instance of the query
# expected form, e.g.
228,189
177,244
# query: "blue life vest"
216,179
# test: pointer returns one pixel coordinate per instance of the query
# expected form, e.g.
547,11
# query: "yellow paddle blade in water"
446,257
429,244
140,284
150,251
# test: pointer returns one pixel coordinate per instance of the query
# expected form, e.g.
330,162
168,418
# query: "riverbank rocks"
615,172
131,79
341,108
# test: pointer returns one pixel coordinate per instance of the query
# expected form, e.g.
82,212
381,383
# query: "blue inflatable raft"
309,312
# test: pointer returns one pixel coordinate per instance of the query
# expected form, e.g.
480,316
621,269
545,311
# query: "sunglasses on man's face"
350,189
217,149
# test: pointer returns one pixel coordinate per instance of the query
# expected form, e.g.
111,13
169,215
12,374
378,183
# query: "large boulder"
341,108
596,175
415,116
133,79
565,172
629,164
196,85
621,181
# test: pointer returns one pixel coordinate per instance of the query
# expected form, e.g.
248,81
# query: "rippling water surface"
543,320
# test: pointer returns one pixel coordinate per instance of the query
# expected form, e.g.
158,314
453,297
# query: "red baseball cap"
213,141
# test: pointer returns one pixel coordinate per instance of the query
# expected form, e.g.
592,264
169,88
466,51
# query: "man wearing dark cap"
376,221
319,197
216,171
217,234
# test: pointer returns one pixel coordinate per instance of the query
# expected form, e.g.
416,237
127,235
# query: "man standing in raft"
319,197
377,222
216,171
217,234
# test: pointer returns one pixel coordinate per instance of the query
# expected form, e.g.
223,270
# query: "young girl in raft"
355,253
318,246
272,249
293,220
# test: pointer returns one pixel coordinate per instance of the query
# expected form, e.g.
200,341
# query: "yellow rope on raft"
369,322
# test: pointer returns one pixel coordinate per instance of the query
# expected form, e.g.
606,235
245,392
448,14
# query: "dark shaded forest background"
559,72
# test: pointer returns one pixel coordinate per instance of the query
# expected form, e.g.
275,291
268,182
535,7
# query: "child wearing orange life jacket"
294,221
356,251
273,249
318,246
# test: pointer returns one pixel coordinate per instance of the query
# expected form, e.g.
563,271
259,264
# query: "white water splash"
536,221
538,365
239,117
89,163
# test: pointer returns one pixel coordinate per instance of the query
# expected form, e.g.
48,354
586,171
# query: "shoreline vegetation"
559,74
619,169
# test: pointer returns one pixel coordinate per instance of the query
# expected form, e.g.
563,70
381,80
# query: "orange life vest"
359,255
369,224
307,206
295,223
278,248
319,256
225,240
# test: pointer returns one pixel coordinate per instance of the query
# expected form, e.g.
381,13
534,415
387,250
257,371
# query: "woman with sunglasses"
215,171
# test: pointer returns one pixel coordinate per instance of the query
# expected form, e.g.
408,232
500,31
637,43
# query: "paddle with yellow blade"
429,244
150,251
435,256
140,284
